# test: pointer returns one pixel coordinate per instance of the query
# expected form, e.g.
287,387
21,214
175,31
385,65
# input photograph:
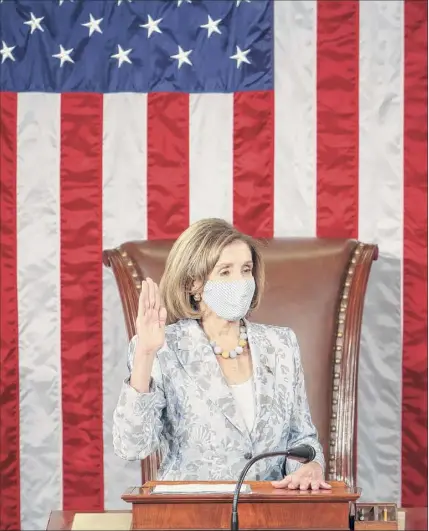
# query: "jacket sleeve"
137,419
302,429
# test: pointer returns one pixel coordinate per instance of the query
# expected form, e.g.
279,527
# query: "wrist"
143,352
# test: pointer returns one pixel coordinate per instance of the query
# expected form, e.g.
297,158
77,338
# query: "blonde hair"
193,257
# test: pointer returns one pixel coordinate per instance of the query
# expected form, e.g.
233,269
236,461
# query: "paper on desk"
200,488
102,522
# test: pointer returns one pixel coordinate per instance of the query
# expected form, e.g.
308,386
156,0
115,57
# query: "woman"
211,389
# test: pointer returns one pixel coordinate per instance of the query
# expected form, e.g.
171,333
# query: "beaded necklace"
242,343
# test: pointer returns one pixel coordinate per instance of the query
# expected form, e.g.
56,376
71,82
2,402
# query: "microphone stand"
304,454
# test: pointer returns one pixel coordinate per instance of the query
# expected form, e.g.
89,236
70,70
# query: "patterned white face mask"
231,299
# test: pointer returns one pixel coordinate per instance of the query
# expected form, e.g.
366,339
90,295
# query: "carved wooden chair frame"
341,463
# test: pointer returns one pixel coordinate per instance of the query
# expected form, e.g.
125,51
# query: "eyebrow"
229,264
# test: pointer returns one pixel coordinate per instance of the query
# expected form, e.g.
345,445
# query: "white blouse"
244,396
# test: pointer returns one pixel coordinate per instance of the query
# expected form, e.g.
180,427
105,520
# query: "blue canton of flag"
136,45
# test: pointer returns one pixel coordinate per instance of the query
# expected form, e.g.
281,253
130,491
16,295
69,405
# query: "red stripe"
81,300
9,374
337,118
254,163
415,331
167,165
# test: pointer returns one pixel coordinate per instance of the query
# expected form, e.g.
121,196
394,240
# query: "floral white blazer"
190,415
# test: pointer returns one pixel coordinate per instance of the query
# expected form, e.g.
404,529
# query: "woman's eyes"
226,272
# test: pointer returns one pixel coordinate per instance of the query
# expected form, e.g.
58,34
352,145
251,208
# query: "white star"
34,23
182,57
122,56
180,2
64,56
6,52
151,26
212,26
239,2
93,25
241,56
120,2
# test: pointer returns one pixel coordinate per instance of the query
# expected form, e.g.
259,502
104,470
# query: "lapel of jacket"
198,360
264,366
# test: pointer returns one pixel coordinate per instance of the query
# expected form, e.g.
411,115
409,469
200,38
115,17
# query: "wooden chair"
315,286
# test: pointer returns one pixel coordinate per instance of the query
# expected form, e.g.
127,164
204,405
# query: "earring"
197,297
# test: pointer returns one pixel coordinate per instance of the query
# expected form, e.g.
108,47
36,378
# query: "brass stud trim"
338,350
132,269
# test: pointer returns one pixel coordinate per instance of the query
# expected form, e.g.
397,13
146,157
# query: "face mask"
230,299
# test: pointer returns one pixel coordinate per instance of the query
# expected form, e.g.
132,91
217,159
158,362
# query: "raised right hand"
151,317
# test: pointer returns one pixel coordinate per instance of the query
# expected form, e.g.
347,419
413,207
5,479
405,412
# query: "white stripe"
124,219
381,221
295,118
211,122
38,218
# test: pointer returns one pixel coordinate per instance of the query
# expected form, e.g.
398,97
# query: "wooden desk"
416,519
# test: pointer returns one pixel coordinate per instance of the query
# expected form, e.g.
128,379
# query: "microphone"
303,454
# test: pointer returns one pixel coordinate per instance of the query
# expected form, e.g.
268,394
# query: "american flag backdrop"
130,119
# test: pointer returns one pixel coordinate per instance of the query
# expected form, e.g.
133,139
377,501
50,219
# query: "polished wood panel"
416,520
264,508
253,516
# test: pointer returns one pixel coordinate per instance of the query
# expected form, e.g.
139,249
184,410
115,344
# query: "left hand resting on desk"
309,476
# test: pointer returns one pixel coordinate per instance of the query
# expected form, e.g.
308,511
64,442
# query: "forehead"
236,252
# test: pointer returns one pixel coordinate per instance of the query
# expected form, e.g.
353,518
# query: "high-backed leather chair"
316,287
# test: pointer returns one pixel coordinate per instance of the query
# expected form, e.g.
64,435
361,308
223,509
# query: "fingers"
157,298
291,482
282,484
149,296
315,484
162,317
151,292
143,299
302,483
295,482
